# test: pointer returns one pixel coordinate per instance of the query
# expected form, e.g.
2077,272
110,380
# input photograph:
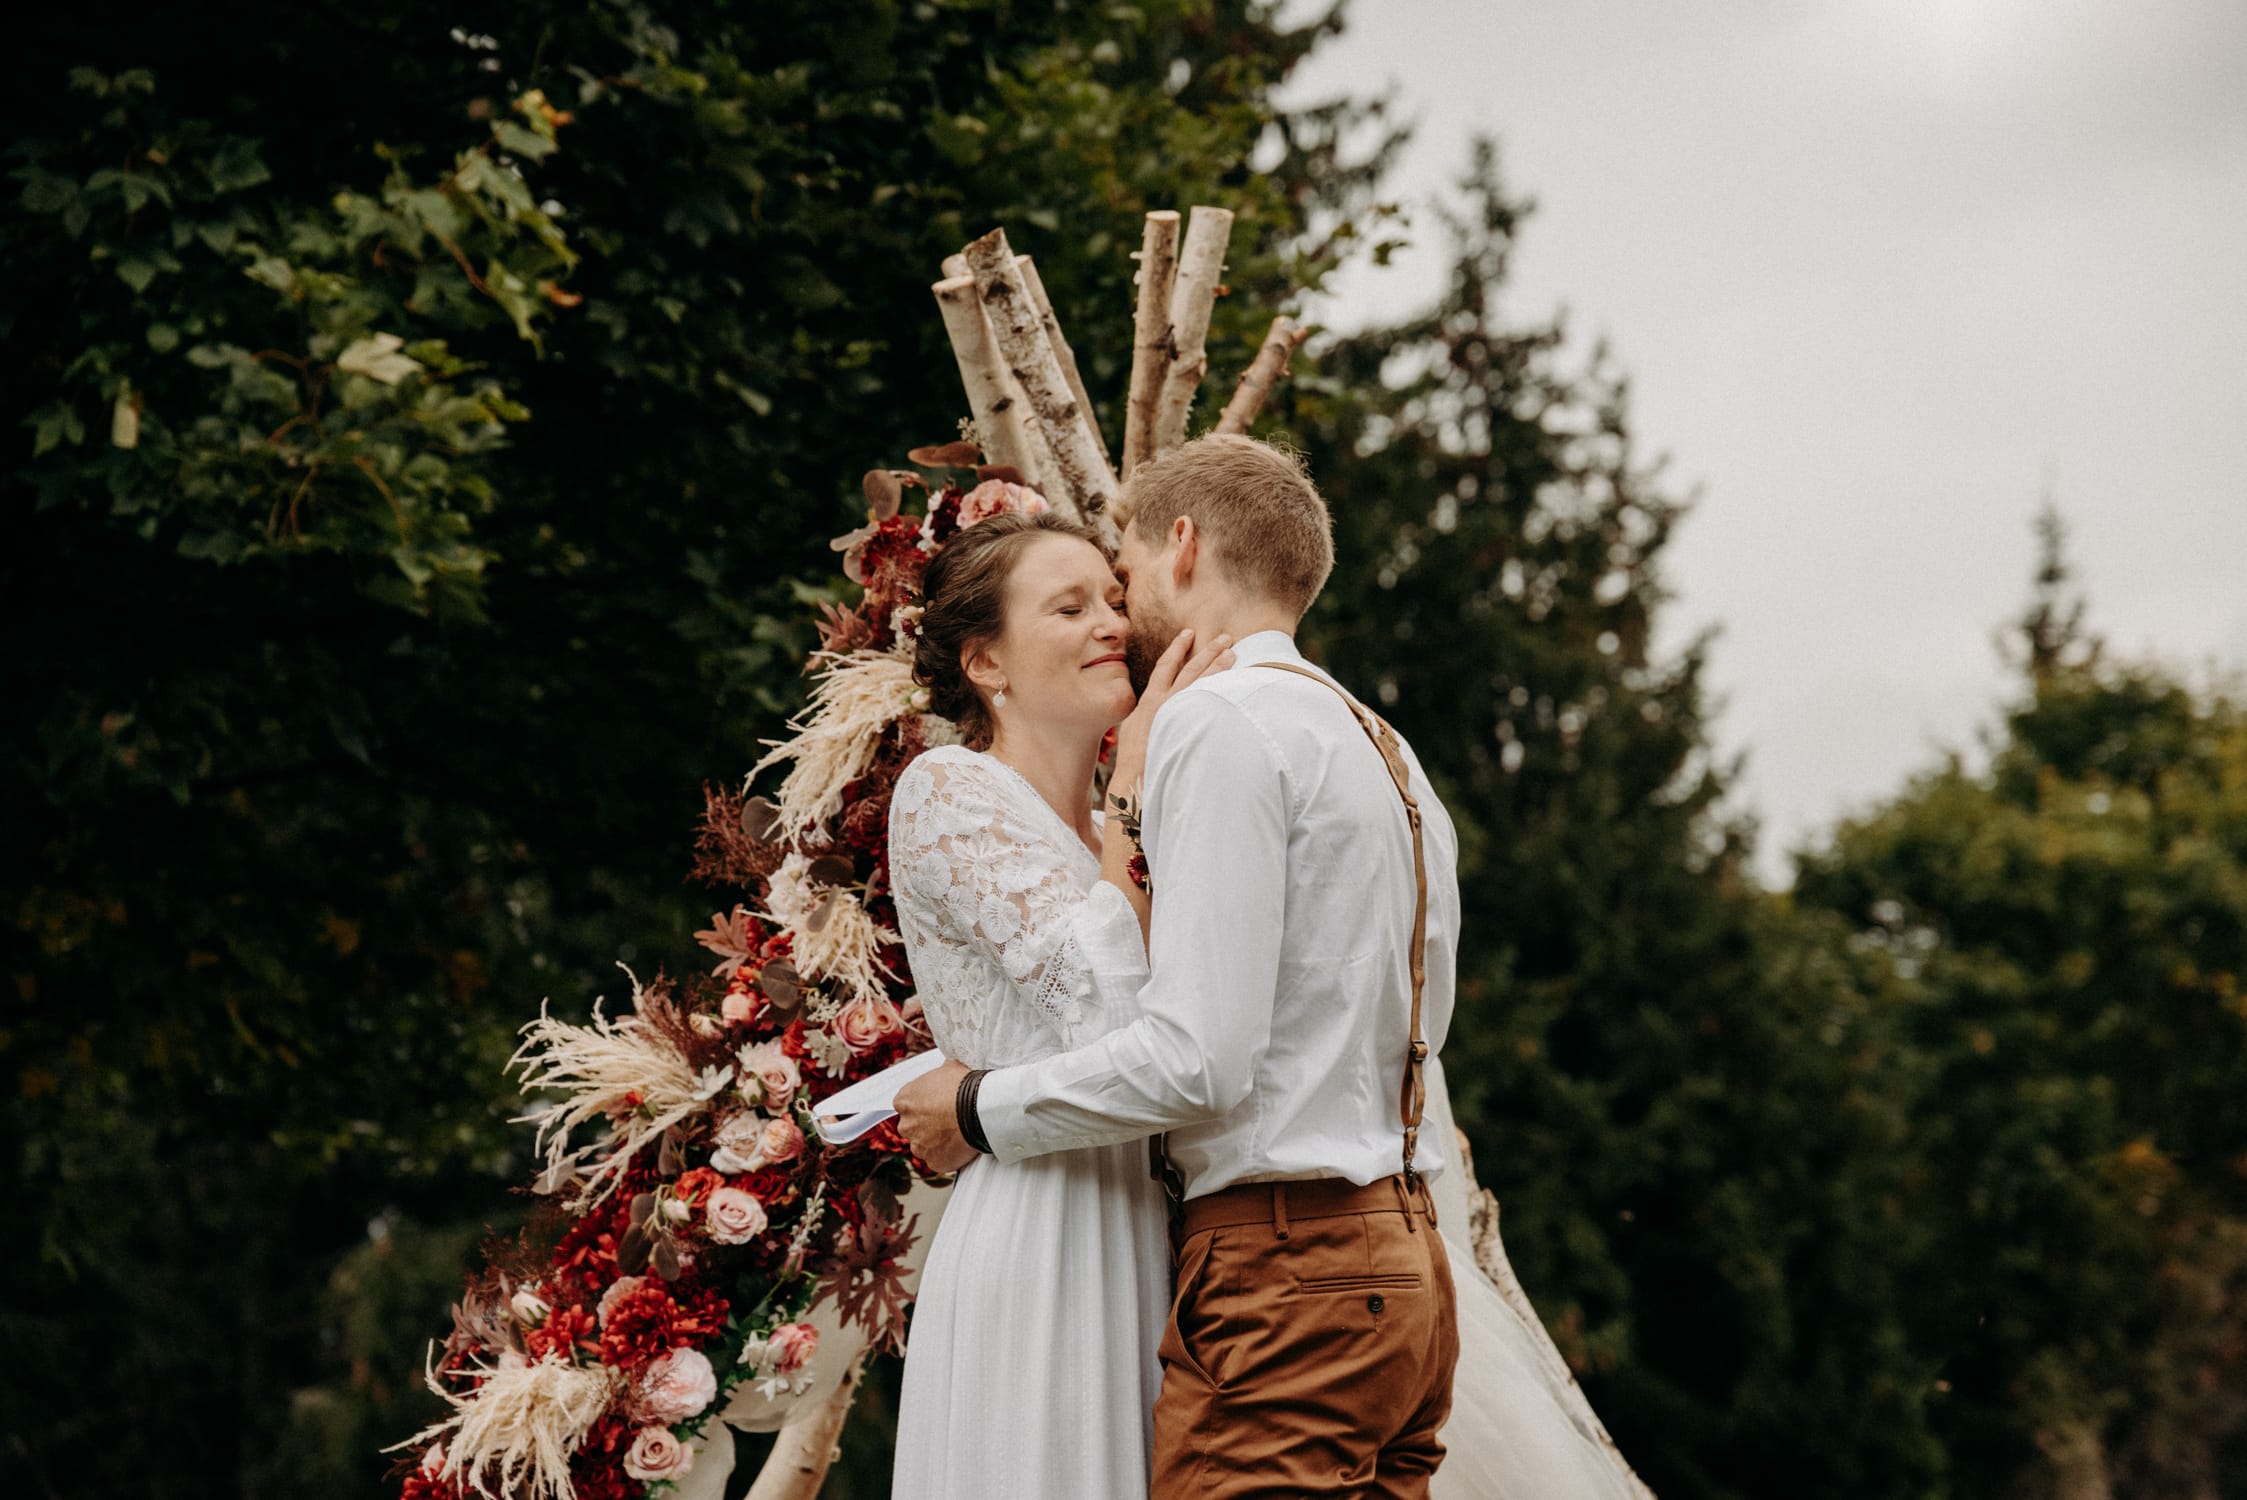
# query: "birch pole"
1152,348
1085,483
805,1449
1062,353
1264,373
1200,266
1001,417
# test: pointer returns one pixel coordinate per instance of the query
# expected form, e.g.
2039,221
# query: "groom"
1297,857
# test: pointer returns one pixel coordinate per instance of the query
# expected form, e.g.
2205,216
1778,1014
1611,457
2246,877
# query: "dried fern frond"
834,938
520,1426
625,1071
842,944
857,697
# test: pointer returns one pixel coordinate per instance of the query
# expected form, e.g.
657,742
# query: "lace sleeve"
978,860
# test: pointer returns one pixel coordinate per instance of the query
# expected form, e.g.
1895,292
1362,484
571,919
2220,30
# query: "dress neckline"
1099,819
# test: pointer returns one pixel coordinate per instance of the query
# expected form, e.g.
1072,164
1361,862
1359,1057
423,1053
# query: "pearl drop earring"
998,699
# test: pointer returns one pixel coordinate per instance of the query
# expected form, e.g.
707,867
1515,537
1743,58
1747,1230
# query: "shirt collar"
1266,645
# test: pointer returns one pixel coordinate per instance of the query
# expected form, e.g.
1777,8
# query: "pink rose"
737,1008
866,1021
751,1143
733,1217
791,1346
656,1454
996,497
782,1141
619,1289
675,1387
774,1072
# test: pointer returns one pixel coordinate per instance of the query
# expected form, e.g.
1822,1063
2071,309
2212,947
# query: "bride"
1031,1369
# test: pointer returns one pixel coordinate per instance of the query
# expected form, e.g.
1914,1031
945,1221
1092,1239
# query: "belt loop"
1279,1208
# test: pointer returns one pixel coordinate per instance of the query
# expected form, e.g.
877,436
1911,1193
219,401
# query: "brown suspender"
1414,1101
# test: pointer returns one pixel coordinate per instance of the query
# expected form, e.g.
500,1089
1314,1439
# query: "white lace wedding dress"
1031,1370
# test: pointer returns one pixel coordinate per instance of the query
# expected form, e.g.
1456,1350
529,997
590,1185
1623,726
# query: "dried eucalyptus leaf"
831,869
957,455
632,1251
783,986
883,494
760,816
667,1259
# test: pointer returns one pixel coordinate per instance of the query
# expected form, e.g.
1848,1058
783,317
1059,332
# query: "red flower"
563,1332
944,515
648,1322
695,1184
597,1468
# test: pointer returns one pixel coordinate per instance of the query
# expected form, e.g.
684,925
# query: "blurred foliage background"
429,421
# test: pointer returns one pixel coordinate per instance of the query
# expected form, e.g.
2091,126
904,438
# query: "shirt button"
1374,1303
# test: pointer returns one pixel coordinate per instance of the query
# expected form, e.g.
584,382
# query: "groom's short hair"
1255,505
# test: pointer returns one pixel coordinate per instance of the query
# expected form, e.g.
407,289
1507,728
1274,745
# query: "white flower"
749,1143
828,1050
735,1143
529,1308
788,894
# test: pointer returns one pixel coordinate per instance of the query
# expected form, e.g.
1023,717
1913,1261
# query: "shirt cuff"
999,1109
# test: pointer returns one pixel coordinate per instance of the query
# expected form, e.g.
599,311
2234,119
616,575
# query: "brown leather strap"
1415,1097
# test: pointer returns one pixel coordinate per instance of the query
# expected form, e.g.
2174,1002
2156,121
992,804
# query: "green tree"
360,706
1681,1092
2072,922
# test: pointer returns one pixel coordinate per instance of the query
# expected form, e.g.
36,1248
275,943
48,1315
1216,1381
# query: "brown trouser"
1310,1346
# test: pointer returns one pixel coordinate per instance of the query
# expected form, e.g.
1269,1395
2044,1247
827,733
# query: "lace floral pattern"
991,887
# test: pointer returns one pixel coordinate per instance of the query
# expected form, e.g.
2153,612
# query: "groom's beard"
1150,635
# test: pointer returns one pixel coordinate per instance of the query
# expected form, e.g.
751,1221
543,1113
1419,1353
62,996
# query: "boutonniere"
1127,817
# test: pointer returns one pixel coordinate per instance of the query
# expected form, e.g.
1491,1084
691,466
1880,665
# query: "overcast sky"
1881,272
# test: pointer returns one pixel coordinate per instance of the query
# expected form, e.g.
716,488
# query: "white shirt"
1275,1020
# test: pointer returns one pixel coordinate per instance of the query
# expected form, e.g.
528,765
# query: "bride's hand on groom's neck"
1184,662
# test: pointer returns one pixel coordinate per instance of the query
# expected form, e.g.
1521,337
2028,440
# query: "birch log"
1062,353
955,265
1264,373
1201,265
1001,416
1152,348
806,1448
1085,485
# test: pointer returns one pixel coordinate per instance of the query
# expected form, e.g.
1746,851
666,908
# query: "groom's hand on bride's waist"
928,1116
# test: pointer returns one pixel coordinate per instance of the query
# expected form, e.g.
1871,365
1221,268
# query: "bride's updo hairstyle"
963,603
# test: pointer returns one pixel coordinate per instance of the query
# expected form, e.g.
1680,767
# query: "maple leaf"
865,1281
736,938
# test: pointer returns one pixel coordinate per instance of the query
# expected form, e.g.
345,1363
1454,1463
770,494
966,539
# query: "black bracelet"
963,1106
